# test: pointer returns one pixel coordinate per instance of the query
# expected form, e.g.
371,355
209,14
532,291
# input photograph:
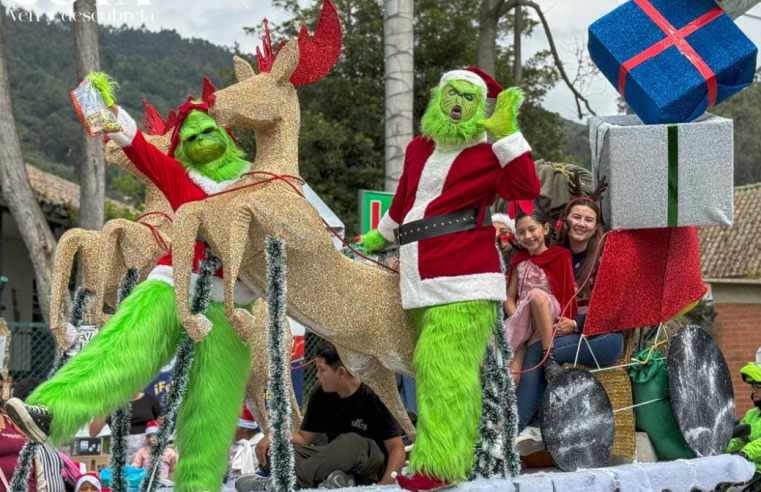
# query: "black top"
362,413
578,259
144,409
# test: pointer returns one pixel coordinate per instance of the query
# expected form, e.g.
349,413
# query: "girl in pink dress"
540,288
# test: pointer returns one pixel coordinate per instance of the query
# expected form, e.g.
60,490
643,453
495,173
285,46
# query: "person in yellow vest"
749,447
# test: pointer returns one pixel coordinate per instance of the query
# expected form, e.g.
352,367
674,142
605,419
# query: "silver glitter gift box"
664,175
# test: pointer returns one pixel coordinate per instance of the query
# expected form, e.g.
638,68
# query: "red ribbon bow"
526,206
184,111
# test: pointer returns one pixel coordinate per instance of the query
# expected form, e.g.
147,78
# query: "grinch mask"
454,112
208,149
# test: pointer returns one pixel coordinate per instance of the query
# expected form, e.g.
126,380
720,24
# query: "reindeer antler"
317,55
207,93
155,124
602,185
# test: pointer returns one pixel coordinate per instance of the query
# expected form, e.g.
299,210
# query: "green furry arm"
105,85
373,241
504,121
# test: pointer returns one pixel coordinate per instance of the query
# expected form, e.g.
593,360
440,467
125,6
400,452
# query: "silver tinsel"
24,465
180,373
635,159
283,463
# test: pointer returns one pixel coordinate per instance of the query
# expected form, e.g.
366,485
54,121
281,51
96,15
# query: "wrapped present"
664,175
736,8
645,277
671,60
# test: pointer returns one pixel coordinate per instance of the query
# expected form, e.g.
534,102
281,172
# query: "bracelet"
575,326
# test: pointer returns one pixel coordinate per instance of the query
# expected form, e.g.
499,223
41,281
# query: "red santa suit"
439,179
179,186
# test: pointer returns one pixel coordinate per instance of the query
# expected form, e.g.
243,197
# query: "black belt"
459,221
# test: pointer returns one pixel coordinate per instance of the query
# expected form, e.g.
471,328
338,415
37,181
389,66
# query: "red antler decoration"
155,124
317,55
207,94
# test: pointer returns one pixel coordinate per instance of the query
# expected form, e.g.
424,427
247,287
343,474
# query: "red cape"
556,263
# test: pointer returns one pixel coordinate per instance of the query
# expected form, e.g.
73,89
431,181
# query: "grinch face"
202,140
459,106
454,112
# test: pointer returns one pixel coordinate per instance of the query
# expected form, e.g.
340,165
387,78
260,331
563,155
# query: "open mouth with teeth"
456,113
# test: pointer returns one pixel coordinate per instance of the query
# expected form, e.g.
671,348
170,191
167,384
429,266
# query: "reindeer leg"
70,243
232,257
256,388
187,222
382,381
108,247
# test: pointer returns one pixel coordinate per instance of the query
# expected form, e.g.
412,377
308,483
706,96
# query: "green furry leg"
448,356
209,412
118,363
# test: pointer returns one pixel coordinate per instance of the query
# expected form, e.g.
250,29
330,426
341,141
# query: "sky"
222,22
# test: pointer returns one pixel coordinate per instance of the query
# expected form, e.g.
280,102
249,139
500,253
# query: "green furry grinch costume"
450,275
143,335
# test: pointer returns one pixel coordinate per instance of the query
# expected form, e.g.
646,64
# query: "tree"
398,42
92,173
18,194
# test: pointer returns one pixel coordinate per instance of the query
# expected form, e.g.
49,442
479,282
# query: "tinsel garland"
121,417
180,373
78,310
25,463
283,463
499,408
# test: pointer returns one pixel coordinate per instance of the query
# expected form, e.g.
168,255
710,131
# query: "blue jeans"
607,349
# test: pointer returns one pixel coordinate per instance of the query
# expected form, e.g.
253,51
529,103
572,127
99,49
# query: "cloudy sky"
222,22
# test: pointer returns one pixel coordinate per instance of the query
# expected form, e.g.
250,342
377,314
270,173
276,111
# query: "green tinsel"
25,463
484,464
180,373
283,463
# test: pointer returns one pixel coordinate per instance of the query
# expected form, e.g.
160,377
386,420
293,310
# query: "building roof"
735,252
58,196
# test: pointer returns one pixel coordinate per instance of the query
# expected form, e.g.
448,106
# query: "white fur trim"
125,137
209,186
508,148
247,424
89,479
241,295
467,76
505,220
387,227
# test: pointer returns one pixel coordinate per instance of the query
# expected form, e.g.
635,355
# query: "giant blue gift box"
668,88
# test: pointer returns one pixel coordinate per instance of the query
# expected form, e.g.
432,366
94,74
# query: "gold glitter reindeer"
355,306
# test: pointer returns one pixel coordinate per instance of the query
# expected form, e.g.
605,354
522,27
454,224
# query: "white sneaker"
529,441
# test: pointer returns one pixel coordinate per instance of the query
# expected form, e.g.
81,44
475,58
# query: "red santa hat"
92,478
152,427
490,88
503,218
247,420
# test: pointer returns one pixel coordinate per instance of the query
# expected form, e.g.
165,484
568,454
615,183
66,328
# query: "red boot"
422,483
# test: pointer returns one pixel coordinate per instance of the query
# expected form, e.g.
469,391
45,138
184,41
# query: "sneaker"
422,483
339,480
33,421
496,449
529,441
254,482
551,367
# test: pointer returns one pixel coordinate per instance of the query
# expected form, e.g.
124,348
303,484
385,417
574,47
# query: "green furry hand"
504,121
105,85
372,242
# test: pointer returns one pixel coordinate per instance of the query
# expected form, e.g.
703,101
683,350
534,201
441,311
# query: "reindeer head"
260,100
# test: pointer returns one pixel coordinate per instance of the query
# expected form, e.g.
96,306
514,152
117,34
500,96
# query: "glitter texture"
355,306
635,159
668,88
645,278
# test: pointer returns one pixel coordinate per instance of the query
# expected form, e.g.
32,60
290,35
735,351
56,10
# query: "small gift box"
671,60
664,175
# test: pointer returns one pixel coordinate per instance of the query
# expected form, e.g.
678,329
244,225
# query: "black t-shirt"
144,410
362,413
